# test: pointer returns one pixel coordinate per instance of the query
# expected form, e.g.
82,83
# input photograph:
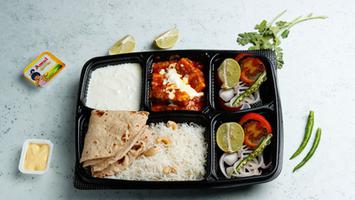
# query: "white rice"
188,153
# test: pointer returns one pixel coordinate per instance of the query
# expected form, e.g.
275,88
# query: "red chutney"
177,85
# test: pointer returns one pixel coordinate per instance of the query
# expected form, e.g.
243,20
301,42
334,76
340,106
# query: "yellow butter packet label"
40,71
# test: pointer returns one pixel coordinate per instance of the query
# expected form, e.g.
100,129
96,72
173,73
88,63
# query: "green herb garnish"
269,35
259,150
235,101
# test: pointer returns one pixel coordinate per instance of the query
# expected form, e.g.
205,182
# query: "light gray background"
318,74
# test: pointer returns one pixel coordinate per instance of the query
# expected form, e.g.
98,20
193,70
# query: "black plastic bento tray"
211,116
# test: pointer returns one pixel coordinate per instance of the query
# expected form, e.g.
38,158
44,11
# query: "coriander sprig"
269,35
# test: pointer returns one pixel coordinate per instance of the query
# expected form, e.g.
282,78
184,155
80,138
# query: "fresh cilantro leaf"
261,27
281,23
285,33
269,35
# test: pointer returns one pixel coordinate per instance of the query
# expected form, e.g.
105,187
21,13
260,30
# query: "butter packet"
36,156
40,71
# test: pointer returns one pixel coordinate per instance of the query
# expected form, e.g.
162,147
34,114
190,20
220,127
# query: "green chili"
307,135
255,153
311,151
235,101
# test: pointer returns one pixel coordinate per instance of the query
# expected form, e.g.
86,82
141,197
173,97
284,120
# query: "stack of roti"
114,140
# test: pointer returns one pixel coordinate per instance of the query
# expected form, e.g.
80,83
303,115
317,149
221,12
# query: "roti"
111,134
104,163
119,165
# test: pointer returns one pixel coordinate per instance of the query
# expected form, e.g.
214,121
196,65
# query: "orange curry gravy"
166,94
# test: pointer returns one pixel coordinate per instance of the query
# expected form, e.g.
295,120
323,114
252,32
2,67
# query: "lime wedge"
229,73
230,137
167,39
124,45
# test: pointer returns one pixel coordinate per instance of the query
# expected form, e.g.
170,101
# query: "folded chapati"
119,165
111,134
104,163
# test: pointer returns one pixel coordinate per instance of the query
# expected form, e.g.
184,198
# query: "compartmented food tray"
211,115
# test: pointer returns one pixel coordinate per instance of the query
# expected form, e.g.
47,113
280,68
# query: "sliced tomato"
241,56
256,127
251,67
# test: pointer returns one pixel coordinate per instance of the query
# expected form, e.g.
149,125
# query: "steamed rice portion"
186,154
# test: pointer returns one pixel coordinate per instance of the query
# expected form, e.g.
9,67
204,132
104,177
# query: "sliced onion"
247,101
230,171
230,158
221,166
245,106
252,168
226,94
